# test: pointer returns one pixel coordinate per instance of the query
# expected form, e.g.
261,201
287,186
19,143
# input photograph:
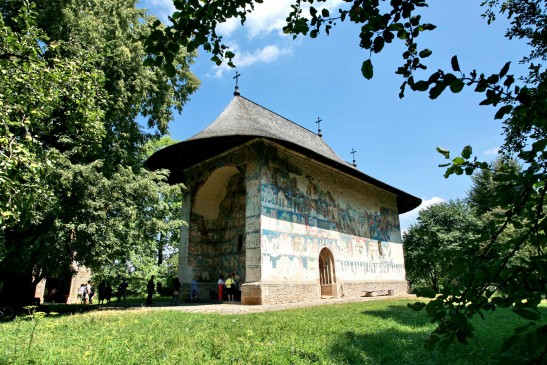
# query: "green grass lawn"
375,332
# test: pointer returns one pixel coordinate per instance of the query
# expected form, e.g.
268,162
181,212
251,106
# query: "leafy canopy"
72,84
431,245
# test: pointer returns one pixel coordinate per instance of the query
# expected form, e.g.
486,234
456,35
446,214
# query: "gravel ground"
237,308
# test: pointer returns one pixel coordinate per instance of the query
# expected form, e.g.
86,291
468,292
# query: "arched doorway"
327,274
217,226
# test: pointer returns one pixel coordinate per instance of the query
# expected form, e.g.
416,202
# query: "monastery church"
270,200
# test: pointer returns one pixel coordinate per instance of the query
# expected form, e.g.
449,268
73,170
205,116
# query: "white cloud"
409,218
492,152
265,55
268,17
160,8
242,59
228,27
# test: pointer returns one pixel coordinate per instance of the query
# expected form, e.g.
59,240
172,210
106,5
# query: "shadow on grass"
405,345
130,303
401,314
383,347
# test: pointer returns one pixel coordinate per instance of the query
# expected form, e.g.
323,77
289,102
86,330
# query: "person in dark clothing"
150,289
108,292
102,292
176,291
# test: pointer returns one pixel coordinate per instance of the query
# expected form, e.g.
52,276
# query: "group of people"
230,286
177,290
86,292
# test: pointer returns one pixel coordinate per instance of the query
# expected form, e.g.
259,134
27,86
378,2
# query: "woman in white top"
220,286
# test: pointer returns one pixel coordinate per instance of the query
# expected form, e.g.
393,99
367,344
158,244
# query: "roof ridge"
279,115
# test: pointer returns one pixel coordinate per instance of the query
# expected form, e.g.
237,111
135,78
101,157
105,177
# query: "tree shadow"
403,342
384,347
401,314
397,347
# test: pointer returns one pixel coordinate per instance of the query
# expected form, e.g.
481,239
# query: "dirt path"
238,308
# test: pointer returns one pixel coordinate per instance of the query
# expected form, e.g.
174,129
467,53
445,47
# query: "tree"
154,256
520,104
73,188
483,196
440,232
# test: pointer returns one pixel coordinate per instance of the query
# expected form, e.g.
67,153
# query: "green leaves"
69,116
456,86
425,53
378,44
444,152
455,64
466,152
170,69
367,70
506,109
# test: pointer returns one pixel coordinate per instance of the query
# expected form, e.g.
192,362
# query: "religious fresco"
318,208
299,218
294,256
217,245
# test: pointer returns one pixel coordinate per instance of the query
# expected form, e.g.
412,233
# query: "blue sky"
395,139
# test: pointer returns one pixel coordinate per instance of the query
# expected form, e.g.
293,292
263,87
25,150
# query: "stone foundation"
356,288
280,293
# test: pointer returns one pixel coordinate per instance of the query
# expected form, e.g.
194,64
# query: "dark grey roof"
243,117
243,121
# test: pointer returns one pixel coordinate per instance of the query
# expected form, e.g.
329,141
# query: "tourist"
230,287
90,291
102,291
220,286
109,292
81,294
53,295
150,290
194,289
176,291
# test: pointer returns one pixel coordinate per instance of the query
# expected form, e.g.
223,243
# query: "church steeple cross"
319,120
353,153
236,77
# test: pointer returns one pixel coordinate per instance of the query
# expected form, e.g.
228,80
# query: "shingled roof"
243,121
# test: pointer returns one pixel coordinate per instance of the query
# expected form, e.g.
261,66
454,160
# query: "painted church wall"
218,244
305,207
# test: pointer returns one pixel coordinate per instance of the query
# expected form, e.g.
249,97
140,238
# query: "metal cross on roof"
353,153
236,77
319,127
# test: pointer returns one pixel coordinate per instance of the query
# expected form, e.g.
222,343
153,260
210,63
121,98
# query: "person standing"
108,292
89,293
194,290
150,289
220,287
81,294
176,291
230,285
102,291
